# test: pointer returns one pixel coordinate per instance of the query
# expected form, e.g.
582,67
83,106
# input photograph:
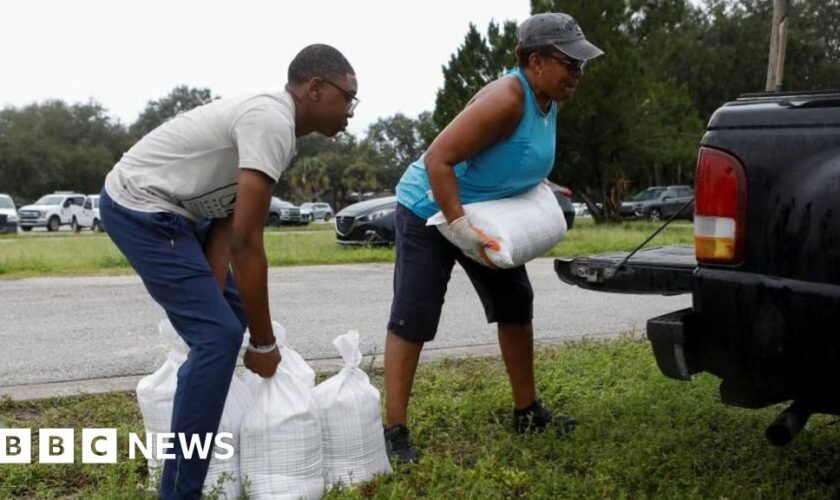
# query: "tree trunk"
778,43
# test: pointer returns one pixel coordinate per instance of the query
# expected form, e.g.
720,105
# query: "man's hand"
263,365
472,240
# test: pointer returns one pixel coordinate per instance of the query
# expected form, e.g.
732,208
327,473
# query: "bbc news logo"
99,446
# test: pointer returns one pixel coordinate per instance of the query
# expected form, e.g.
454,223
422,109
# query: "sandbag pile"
156,396
291,438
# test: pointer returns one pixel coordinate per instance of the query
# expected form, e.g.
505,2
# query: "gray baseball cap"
560,31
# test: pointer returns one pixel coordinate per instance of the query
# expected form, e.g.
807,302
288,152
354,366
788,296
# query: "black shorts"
423,268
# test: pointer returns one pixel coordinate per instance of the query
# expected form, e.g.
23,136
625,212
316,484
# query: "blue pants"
166,250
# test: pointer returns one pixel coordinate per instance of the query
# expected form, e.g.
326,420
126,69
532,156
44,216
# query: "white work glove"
472,240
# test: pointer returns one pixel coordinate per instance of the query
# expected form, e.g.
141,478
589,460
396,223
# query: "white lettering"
221,444
195,442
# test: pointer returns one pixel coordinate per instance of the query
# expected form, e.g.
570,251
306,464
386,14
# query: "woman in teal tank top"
502,144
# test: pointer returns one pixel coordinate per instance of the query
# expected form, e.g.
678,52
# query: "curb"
128,383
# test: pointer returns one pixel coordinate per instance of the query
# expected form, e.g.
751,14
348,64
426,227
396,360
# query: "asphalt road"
63,329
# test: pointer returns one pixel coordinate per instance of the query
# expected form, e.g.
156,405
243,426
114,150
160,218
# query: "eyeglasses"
571,64
352,101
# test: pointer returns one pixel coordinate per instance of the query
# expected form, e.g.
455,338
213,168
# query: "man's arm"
250,266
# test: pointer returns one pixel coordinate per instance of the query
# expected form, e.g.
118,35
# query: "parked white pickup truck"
87,215
51,211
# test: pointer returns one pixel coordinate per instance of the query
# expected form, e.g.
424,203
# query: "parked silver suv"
320,210
660,202
282,213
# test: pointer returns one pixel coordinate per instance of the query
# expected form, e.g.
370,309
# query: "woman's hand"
473,241
468,237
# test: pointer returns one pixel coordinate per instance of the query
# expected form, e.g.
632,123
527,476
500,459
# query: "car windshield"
50,200
6,202
95,202
648,194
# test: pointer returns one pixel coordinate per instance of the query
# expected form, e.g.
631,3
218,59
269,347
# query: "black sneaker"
536,418
398,445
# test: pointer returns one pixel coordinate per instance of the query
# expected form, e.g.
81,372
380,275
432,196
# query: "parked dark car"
660,202
764,273
369,222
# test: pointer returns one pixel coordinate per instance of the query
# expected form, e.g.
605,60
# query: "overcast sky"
123,53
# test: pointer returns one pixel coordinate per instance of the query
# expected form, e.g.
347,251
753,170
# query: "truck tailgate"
667,270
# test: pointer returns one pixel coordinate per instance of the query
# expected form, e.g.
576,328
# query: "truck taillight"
720,218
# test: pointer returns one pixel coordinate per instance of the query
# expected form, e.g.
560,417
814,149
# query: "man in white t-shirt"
218,162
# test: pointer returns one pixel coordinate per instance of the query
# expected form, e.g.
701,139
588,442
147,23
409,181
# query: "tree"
719,51
625,127
54,146
308,181
179,100
360,177
318,170
426,128
397,141
475,64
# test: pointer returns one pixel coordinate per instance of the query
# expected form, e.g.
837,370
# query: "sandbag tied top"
348,348
351,420
290,359
293,361
526,226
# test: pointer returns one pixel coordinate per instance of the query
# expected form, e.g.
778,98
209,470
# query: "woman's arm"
490,117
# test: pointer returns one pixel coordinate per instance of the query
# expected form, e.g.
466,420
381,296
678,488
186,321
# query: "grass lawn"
640,436
68,254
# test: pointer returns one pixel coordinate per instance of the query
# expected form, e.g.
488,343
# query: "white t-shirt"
190,164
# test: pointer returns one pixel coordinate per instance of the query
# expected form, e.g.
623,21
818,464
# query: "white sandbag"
280,452
526,226
351,420
156,396
290,358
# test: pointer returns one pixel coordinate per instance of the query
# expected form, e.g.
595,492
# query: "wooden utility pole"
778,43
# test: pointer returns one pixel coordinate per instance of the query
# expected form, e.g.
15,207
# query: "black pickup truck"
764,272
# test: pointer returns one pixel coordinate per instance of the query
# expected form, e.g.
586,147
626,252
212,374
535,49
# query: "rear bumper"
672,336
770,339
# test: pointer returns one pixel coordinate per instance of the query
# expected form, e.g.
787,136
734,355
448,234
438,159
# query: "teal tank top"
507,168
